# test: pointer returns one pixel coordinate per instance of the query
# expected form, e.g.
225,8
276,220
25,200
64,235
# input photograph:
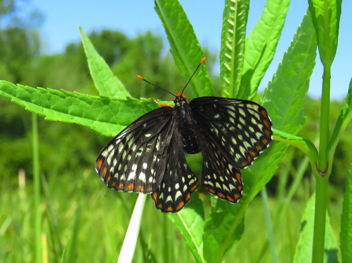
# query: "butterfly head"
179,99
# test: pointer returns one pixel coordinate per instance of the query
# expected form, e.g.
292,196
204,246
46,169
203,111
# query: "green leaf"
104,80
326,19
222,229
232,46
63,256
346,222
304,248
190,222
261,45
102,114
185,47
284,100
341,123
304,145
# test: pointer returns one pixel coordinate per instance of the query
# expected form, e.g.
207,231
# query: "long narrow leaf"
102,114
232,46
104,80
261,45
190,223
341,123
346,222
185,46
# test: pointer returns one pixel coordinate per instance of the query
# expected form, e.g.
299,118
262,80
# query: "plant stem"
323,165
36,189
319,218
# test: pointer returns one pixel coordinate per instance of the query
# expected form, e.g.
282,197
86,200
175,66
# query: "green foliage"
346,222
304,245
190,222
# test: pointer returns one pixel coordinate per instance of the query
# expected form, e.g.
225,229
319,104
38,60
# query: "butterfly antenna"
141,78
200,63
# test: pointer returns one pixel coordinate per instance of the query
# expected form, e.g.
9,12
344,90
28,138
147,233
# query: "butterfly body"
148,156
186,125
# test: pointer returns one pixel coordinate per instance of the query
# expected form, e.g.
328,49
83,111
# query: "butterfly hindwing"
135,161
241,129
178,181
219,176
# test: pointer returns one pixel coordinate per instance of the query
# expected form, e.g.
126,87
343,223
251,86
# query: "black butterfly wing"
178,182
220,176
239,129
135,160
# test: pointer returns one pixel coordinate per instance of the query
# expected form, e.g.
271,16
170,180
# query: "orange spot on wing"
109,179
188,196
230,198
169,209
150,188
252,153
264,141
131,186
113,184
239,188
238,177
155,196
258,147
249,158
121,186
210,190
264,113
266,123
182,204
160,206
141,188
105,170
268,133
99,163
221,195
194,187
237,197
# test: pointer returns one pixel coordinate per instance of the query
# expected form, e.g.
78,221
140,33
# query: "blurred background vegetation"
75,203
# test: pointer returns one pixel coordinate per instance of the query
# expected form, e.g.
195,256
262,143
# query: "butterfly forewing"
135,161
178,181
240,129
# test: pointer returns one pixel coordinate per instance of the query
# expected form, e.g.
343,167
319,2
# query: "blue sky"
62,19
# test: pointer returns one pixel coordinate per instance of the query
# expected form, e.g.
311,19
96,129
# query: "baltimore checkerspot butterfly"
148,156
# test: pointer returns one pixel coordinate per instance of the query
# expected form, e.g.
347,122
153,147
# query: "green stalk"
269,225
322,178
323,165
38,247
319,219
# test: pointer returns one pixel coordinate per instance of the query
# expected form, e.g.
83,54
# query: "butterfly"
148,156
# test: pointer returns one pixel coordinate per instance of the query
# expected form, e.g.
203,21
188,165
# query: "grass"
77,208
